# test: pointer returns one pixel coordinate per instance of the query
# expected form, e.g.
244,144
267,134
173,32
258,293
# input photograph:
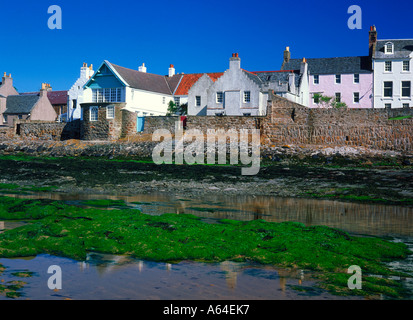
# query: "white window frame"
356,78
316,79
247,96
337,95
92,112
177,101
405,87
107,95
388,66
387,46
110,114
198,101
337,79
356,95
406,66
220,97
384,89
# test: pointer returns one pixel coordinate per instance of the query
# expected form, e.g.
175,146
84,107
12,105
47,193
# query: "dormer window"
388,48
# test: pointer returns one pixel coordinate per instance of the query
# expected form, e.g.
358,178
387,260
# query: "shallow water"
122,277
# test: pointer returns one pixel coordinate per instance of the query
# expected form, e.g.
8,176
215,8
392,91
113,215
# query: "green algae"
70,231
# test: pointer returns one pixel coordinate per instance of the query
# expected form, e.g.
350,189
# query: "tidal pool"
122,277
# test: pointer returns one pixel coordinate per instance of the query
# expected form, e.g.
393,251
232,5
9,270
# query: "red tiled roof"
188,80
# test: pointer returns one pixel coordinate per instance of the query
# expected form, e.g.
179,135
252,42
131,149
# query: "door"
140,124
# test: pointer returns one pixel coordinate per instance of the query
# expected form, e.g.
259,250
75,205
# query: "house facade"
113,90
238,92
29,107
6,89
393,76
346,79
75,93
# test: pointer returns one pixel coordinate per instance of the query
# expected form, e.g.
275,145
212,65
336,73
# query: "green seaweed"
72,231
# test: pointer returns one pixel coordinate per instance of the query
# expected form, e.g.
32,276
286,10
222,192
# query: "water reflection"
107,265
358,218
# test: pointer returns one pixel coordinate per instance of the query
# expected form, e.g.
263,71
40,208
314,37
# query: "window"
406,65
356,97
163,100
220,97
406,88
388,88
338,96
316,79
198,101
387,66
406,105
316,98
246,114
74,103
110,112
387,105
388,48
177,101
94,114
4,118
20,116
338,78
107,95
247,96
356,78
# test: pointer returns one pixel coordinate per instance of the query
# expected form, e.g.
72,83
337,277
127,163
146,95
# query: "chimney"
142,68
7,80
372,41
287,55
235,62
43,90
171,71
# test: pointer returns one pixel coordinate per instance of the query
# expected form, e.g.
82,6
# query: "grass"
70,231
401,117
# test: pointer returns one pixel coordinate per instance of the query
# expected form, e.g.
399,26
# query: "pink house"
347,79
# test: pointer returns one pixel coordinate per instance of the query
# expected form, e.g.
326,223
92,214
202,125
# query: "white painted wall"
76,93
397,75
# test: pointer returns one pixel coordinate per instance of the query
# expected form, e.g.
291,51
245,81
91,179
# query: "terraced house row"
380,79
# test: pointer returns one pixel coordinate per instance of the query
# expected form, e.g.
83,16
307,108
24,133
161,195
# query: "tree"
328,102
173,109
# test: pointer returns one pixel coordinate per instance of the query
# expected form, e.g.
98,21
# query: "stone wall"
48,130
290,123
286,123
103,128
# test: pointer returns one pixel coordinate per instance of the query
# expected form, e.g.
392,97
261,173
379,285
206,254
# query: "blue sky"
194,35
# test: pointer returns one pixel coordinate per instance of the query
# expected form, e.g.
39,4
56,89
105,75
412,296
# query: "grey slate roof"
253,77
276,76
147,81
337,65
21,104
402,49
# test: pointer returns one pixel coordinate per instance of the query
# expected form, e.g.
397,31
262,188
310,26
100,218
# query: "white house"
242,93
75,94
393,74
141,92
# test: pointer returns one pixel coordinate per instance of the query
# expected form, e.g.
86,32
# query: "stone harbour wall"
286,123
